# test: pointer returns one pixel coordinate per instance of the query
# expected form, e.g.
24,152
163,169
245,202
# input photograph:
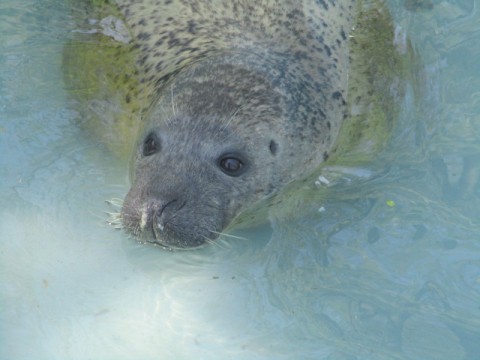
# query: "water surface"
385,266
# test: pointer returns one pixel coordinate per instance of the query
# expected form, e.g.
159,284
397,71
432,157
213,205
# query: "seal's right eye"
151,145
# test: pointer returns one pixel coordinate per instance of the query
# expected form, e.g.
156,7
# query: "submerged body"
230,101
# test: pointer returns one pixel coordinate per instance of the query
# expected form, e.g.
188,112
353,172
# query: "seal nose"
157,212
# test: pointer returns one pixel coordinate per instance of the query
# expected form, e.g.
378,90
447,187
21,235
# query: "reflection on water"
381,266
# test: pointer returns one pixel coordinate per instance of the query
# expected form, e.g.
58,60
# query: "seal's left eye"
232,165
151,145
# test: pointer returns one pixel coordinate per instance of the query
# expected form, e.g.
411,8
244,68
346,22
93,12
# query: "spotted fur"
266,82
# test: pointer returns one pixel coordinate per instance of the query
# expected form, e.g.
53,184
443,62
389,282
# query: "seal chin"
157,237
164,237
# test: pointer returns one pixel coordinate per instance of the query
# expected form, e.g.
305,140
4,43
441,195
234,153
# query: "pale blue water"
388,269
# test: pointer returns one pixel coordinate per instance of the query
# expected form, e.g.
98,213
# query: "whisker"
214,242
114,217
114,220
115,204
172,101
167,116
96,215
232,116
228,235
114,201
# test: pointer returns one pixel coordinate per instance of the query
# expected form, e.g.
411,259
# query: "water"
385,266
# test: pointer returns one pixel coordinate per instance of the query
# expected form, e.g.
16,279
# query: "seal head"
222,136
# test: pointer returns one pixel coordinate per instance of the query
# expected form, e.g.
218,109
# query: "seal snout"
153,215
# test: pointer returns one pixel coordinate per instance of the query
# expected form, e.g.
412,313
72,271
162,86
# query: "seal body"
234,100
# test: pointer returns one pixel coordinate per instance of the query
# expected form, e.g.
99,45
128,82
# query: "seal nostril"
160,211
182,205
159,218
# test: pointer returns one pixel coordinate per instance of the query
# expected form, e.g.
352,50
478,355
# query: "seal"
230,101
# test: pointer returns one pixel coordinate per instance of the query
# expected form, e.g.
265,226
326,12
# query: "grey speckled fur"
300,46
263,82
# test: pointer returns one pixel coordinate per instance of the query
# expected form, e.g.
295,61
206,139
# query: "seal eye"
231,165
151,145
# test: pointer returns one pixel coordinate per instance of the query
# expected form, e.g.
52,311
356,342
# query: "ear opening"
273,147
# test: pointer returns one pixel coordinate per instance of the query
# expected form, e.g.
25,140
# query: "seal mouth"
159,233
160,237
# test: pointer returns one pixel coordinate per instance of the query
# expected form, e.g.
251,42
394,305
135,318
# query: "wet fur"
269,80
